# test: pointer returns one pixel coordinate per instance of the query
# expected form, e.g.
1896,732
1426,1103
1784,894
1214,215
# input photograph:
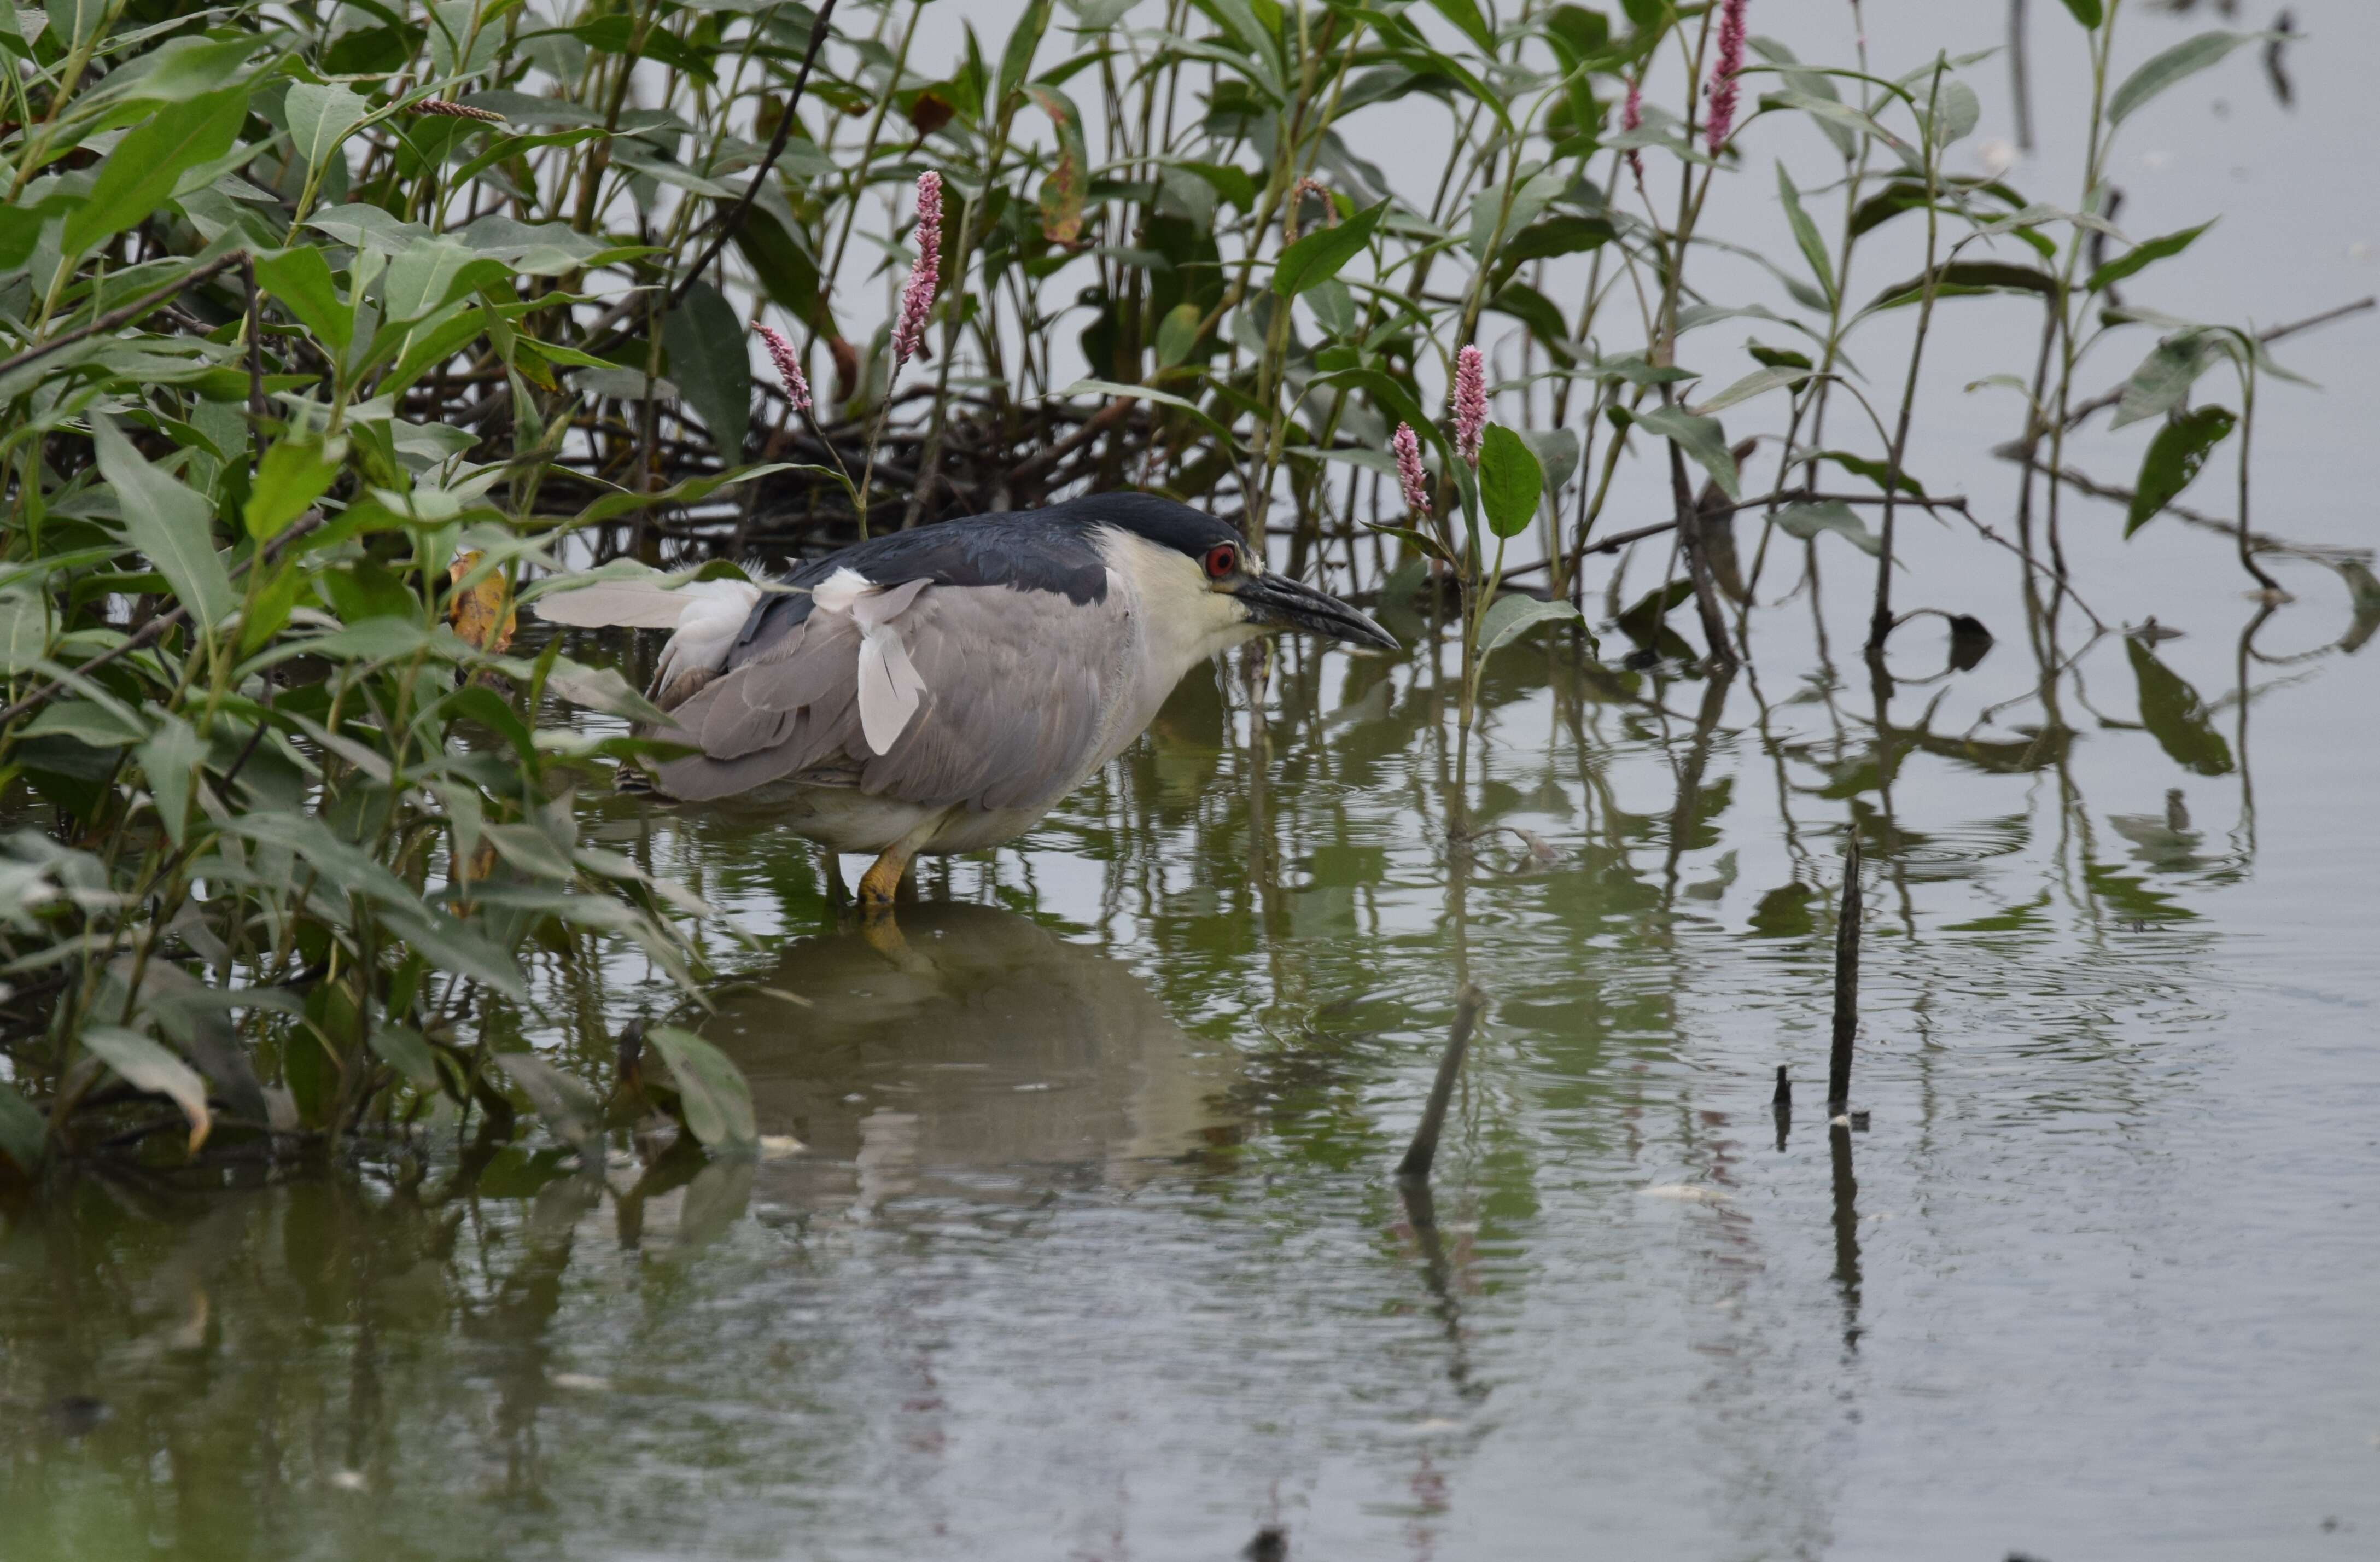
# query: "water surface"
1093,1249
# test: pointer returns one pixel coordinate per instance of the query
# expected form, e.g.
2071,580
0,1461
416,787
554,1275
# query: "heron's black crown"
1163,521
1054,549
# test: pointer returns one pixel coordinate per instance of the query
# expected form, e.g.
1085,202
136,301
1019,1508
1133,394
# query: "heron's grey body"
940,691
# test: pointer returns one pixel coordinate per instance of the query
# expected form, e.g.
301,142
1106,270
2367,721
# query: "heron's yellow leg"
882,879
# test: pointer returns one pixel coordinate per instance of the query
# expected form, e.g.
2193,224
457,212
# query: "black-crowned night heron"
938,691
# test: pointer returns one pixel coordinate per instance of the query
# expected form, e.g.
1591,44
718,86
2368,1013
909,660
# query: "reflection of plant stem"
1847,1249
1423,1153
2244,835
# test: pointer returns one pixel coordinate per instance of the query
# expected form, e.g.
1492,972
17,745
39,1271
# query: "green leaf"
429,344
568,1107
1539,313
1875,471
1557,451
693,491
24,631
1701,438
1959,277
600,688
23,1131
2174,458
1319,256
1828,111
1806,521
1143,393
1758,383
86,721
146,1065
1508,618
1781,358
2085,11
424,277
177,70
1510,480
168,522
1642,622
321,119
2161,384
1958,113
1177,333
268,611
2175,715
2160,71
294,473
1547,237
21,224
1016,61
1428,545
1467,21
1805,234
299,280
2141,255
531,850
711,365
140,175
340,864
77,22
712,1089
1391,399
404,1050
455,946
169,760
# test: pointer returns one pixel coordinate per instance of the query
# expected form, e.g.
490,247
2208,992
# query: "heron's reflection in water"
973,1054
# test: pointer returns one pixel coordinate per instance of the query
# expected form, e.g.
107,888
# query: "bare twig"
152,631
129,313
726,222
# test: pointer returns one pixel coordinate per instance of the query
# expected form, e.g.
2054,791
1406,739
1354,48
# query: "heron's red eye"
1220,559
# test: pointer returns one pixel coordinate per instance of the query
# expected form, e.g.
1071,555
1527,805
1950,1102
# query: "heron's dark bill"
1277,601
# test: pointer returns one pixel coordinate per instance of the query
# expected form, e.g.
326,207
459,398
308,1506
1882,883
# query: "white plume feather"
890,686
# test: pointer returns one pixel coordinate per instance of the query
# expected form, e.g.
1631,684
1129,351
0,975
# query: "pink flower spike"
1470,403
1631,116
1723,74
918,298
1407,444
789,367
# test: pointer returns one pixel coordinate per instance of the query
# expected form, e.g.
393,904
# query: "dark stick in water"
1415,1165
1847,943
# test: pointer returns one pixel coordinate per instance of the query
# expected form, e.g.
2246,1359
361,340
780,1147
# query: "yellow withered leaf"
484,614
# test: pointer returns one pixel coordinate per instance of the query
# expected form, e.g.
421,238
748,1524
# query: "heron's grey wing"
784,710
1017,684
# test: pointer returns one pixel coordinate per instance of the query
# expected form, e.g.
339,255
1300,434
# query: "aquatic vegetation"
331,335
